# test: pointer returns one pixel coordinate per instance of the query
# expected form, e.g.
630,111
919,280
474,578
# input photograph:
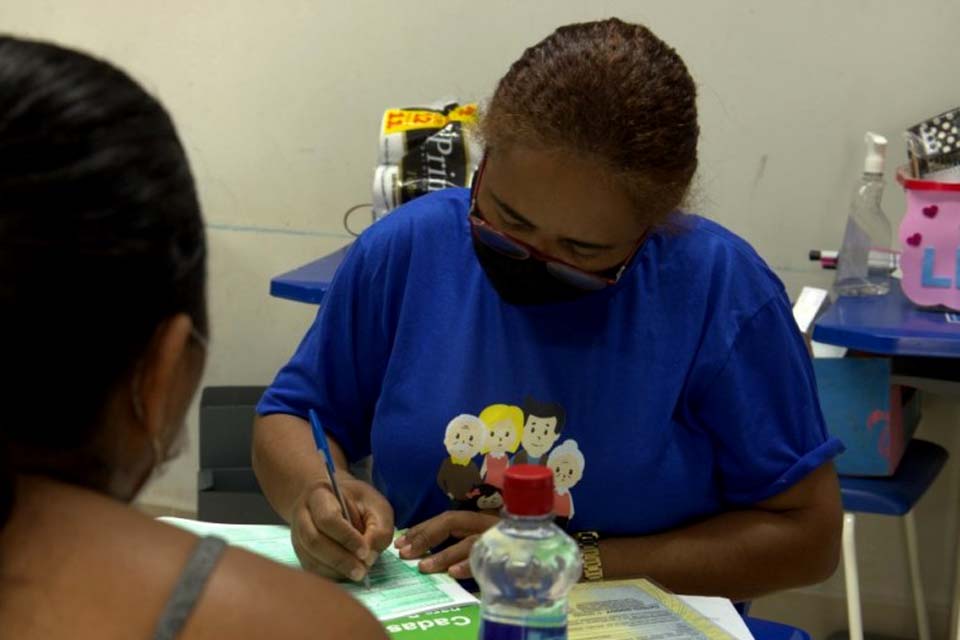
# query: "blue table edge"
901,329
309,283
843,323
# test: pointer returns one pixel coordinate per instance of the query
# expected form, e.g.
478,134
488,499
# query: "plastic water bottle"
526,565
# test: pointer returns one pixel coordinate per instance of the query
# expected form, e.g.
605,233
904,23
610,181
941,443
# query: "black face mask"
524,282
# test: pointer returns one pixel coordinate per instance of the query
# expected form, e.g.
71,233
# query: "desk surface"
310,282
889,325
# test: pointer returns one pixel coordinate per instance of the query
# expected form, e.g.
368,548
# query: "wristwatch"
589,542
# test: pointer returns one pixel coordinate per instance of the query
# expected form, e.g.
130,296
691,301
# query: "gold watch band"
589,542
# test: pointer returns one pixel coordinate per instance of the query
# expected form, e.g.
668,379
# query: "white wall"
279,102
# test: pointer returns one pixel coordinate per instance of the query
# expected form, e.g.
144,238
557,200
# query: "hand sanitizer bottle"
868,235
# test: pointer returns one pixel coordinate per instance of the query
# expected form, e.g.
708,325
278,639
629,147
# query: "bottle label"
490,630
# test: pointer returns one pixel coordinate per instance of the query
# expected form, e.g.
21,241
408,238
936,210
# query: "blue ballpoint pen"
320,438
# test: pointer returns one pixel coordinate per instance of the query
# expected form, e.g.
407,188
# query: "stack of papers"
615,610
418,606
633,609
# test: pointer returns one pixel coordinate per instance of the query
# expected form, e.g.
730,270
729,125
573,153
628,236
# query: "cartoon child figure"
458,476
504,424
567,463
540,431
488,498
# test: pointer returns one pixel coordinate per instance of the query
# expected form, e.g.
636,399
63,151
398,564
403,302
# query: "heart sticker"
915,240
931,211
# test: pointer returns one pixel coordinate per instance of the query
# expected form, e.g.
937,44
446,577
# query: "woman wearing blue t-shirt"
648,357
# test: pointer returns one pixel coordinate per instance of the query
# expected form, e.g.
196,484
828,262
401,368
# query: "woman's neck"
38,497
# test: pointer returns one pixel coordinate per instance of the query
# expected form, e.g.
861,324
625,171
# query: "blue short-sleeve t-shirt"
682,391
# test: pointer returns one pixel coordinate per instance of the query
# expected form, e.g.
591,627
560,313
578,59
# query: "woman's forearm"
286,461
788,541
738,555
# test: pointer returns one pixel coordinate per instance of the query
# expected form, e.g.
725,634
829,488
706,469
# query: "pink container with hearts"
930,237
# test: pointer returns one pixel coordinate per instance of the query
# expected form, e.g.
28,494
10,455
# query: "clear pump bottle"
862,264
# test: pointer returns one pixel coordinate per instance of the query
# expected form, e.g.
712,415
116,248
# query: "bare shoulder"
87,575
250,597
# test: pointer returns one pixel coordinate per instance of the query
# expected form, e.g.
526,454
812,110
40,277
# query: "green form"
268,540
457,623
397,588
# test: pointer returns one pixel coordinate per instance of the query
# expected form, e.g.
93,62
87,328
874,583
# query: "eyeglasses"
511,247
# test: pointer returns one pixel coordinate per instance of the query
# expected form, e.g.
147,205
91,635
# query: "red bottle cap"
528,490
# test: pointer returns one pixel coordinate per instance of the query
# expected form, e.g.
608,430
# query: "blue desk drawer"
874,418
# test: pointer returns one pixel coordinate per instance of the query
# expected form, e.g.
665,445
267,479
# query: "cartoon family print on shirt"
497,434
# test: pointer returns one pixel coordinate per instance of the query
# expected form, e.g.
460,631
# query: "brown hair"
610,90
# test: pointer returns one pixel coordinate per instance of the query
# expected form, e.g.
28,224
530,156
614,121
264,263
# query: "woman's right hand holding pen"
329,545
